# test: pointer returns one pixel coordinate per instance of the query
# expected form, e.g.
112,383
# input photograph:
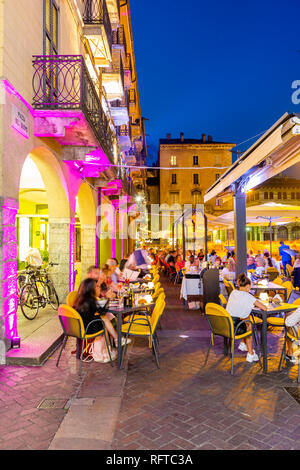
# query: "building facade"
188,167
70,123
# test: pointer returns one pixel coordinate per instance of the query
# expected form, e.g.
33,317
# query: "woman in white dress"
239,306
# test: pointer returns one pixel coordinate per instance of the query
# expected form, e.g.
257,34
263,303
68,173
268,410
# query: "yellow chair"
73,326
71,298
223,300
221,324
145,327
229,286
297,301
289,287
278,280
145,311
157,292
272,274
156,279
293,334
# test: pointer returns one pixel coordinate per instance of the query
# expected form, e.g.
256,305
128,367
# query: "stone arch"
87,207
60,218
282,233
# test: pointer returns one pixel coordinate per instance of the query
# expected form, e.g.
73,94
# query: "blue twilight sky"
222,68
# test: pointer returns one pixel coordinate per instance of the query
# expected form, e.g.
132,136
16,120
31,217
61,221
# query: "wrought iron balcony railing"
96,13
63,83
123,103
123,131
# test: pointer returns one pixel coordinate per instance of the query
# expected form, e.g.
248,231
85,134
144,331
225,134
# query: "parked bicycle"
37,290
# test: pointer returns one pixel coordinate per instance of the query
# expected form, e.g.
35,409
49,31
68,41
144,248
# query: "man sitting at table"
292,320
239,306
251,263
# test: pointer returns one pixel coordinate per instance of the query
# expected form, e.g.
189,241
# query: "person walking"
285,257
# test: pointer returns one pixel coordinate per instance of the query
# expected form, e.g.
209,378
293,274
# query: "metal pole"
173,230
98,228
205,237
240,231
183,237
271,235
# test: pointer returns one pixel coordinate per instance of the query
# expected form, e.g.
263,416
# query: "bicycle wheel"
29,301
52,296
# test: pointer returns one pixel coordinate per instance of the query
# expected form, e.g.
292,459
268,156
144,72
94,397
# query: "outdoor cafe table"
272,310
120,312
191,286
271,286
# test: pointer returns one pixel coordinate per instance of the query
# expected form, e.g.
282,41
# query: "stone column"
88,248
62,251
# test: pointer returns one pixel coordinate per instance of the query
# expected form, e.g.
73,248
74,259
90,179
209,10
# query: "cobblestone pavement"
182,405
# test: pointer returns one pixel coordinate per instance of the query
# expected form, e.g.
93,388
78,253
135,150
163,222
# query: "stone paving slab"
89,424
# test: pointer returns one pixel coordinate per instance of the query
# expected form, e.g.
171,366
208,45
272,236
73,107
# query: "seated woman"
218,263
179,263
260,267
192,262
86,305
229,271
239,306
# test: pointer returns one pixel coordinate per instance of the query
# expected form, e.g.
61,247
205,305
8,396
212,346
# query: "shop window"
293,195
266,195
271,195
284,196
279,196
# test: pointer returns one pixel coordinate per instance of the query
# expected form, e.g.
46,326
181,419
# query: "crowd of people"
260,262
108,281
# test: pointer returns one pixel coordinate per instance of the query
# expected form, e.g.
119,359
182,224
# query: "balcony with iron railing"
113,78
67,105
113,7
124,136
120,110
97,28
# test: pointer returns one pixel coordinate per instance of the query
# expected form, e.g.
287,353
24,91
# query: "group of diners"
106,283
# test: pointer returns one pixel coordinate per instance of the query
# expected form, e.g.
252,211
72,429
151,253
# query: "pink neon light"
72,254
9,270
12,91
